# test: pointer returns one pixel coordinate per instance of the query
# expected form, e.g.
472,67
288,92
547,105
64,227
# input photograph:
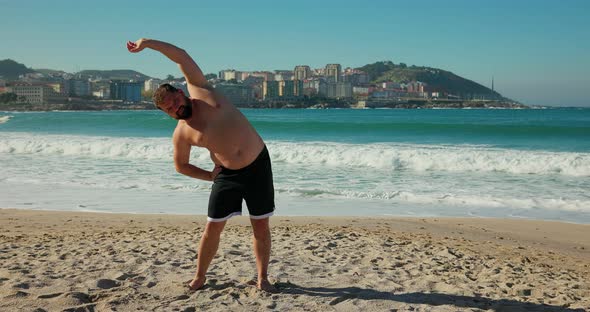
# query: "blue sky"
538,51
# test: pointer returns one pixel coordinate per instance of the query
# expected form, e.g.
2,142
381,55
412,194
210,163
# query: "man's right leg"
207,250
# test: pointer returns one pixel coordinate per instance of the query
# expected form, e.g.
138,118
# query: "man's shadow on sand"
435,299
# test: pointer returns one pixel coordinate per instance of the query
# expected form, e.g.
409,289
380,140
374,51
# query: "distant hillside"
123,74
51,72
438,79
10,70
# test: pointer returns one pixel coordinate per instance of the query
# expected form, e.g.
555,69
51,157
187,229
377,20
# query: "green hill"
10,70
123,74
437,79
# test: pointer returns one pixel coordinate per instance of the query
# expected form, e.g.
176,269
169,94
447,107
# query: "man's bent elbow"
180,168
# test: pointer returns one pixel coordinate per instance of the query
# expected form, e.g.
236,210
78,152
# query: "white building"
301,72
238,94
102,93
387,94
283,75
180,85
360,90
77,87
339,90
230,74
333,72
315,86
152,84
391,85
267,76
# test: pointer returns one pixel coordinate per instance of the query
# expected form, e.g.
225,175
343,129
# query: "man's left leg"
262,245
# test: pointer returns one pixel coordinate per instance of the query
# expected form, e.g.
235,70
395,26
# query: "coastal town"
302,87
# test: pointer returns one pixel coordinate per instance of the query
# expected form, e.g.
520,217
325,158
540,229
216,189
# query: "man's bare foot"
265,285
197,283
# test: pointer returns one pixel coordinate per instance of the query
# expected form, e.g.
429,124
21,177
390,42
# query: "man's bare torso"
221,128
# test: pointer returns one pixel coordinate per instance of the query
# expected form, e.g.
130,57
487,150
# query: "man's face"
177,105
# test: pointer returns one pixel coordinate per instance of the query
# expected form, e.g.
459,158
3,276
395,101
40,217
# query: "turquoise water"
553,130
504,163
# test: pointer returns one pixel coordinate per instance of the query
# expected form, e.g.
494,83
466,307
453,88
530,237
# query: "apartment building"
36,93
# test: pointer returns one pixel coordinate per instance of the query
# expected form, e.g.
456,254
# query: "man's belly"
237,158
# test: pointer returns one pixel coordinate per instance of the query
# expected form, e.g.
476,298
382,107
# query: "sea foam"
382,156
433,158
4,119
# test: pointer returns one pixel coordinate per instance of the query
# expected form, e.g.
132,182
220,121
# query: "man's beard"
186,110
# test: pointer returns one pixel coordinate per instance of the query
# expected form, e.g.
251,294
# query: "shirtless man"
242,163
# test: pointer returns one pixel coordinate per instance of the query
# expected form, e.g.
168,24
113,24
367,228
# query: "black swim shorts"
252,183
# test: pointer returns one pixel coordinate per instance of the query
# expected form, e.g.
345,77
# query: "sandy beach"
76,261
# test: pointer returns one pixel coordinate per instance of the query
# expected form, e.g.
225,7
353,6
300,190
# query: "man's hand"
189,68
215,172
136,46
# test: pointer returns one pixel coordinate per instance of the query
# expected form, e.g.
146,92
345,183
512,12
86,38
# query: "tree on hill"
377,69
10,70
437,79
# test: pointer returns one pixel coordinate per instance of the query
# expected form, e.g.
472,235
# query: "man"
242,163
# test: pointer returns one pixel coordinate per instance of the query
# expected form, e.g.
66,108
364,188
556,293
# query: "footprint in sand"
214,296
49,296
21,285
107,283
181,297
18,294
74,298
124,276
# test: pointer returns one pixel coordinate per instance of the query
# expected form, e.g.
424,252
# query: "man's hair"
161,93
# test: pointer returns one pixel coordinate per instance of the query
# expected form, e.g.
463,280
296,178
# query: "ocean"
532,164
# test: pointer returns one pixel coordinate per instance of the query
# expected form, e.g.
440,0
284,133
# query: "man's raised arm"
189,68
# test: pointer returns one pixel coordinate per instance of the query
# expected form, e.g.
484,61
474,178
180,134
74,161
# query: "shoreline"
97,105
280,215
57,260
283,108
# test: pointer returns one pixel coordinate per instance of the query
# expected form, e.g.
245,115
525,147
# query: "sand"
75,261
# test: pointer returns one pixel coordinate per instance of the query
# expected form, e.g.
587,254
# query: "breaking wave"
382,156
